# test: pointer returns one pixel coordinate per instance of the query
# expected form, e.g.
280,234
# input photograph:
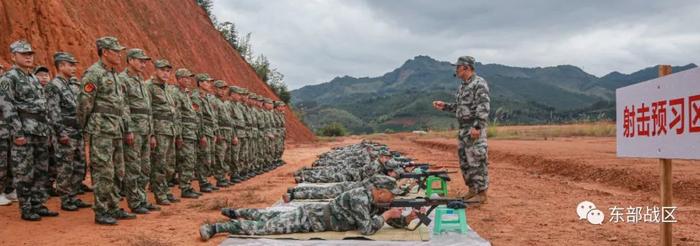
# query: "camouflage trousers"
306,218
162,164
70,160
329,175
323,192
137,164
30,167
5,168
234,168
204,160
186,158
106,168
223,157
242,156
473,160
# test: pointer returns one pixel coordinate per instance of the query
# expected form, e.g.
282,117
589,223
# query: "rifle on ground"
423,176
418,203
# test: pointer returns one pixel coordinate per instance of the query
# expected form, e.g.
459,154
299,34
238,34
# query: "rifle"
418,203
423,176
424,166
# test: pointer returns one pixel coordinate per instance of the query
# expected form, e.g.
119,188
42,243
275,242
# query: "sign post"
660,119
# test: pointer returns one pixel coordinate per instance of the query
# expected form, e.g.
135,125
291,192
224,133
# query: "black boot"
29,215
80,204
123,215
172,198
43,211
189,193
103,219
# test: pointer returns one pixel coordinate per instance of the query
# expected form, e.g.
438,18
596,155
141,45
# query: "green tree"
334,129
207,5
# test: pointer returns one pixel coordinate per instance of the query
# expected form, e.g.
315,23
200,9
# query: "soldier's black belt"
140,111
70,123
163,117
34,116
105,110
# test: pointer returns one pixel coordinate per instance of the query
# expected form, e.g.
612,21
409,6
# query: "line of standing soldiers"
132,132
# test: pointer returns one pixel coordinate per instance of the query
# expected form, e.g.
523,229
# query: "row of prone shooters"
131,131
365,179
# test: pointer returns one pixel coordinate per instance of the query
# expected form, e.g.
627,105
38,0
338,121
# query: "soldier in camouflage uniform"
224,134
270,136
249,145
236,112
25,115
137,158
471,108
201,101
187,125
5,174
281,131
244,135
104,120
332,191
62,100
351,210
163,155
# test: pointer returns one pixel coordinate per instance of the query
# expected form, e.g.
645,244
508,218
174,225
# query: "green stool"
429,190
441,225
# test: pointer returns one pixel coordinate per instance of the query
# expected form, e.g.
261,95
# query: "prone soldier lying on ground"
352,210
334,190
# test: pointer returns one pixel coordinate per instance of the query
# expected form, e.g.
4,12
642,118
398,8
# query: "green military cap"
267,100
183,72
39,69
386,182
21,46
465,61
203,77
279,103
234,89
109,43
64,56
137,54
244,91
219,83
162,63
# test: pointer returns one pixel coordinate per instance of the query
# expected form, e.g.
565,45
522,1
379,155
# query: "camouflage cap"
386,182
137,54
234,89
21,46
203,77
244,91
162,63
183,72
64,56
279,103
267,100
219,84
465,61
109,43
39,69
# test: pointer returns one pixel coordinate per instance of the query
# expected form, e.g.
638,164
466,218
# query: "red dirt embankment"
177,30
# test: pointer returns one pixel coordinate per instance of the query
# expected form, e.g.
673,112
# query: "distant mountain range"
401,99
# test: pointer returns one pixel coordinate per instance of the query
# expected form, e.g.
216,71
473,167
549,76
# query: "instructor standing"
471,108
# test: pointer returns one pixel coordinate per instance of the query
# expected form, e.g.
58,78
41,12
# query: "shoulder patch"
89,87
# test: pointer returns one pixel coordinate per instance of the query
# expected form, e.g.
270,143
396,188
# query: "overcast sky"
313,41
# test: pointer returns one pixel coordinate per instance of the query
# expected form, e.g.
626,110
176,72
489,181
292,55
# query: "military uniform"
25,115
137,155
201,102
5,174
239,131
246,139
187,125
333,190
471,107
62,97
163,156
102,116
224,137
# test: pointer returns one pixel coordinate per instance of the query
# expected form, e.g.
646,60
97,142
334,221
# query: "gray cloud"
313,41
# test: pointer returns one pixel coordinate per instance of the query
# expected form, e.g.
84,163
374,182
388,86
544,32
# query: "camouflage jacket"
206,114
24,104
101,102
62,100
223,117
138,102
187,120
163,107
472,103
353,209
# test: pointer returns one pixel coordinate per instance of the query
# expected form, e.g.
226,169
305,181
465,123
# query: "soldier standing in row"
206,132
62,97
236,110
471,108
224,134
105,122
25,114
187,126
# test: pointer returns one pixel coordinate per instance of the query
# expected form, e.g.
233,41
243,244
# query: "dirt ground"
535,187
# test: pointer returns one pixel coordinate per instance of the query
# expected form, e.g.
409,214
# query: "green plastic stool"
459,225
429,190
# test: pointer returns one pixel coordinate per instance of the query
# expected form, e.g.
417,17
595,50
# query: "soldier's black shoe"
140,210
195,192
80,204
105,220
229,212
215,188
221,184
165,202
206,231
189,194
172,198
30,216
45,212
69,207
205,189
151,207
123,215
235,180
